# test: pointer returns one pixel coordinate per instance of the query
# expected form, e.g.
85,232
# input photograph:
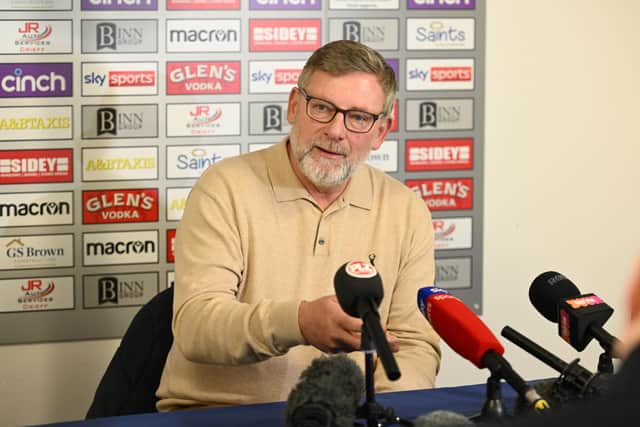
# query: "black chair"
133,375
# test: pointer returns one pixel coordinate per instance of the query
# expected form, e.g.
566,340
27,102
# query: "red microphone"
468,336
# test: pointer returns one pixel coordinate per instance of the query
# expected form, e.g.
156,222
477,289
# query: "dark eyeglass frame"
337,110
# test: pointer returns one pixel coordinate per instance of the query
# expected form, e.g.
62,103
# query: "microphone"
327,394
573,376
359,291
468,336
579,316
442,418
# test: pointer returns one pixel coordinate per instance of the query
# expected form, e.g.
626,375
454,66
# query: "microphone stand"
374,413
605,364
493,408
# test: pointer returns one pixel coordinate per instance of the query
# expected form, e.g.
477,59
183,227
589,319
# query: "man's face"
327,154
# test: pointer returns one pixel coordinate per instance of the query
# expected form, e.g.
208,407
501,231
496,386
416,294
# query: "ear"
292,108
381,131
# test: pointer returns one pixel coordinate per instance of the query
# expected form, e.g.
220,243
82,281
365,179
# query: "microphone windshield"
327,394
442,419
354,281
548,290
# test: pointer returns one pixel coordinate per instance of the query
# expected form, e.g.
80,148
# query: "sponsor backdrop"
111,109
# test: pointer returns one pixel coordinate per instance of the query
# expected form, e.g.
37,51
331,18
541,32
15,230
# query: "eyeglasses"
323,111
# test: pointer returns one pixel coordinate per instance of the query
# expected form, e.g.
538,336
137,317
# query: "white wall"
560,193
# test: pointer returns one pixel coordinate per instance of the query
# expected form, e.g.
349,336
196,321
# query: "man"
263,234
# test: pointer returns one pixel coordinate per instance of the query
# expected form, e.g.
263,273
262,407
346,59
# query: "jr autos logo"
272,35
440,74
36,37
203,78
119,5
36,294
116,206
36,166
36,123
273,76
444,193
119,78
203,119
31,80
452,233
119,36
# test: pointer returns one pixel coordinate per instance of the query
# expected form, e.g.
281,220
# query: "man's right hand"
327,327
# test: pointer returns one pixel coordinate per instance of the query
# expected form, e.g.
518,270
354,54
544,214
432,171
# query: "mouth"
329,152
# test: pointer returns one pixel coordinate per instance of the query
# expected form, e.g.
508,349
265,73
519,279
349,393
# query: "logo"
203,4
439,154
452,233
36,5
36,123
439,114
273,35
36,36
584,301
176,201
36,80
189,161
285,4
36,251
119,164
453,273
36,294
119,78
268,118
386,157
273,76
122,247
120,121
119,290
36,166
27,209
119,5
379,34
215,35
114,206
440,74
363,4
120,36
360,270
444,194
171,249
203,119
202,78
441,4
439,34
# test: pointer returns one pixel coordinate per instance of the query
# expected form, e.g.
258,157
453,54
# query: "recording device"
359,291
468,336
442,419
327,394
579,316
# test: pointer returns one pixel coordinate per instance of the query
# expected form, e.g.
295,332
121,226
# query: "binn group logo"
268,118
36,209
444,194
379,34
439,154
441,4
440,74
120,121
119,5
36,251
281,35
189,161
203,78
273,76
120,36
36,123
452,273
36,36
121,247
120,206
203,119
36,166
439,114
212,35
119,290
203,4
25,80
119,78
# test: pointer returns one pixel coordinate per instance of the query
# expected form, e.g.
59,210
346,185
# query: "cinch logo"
109,120
35,80
285,4
119,5
439,154
111,289
114,206
284,35
272,118
444,194
110,36
36,166
441,4
186,78
203,4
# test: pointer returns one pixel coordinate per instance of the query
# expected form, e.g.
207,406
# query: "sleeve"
210,325
418,356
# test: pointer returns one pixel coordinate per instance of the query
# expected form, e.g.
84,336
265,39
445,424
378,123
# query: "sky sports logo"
440,74
119,78
273,76
273,35
36,166
26,80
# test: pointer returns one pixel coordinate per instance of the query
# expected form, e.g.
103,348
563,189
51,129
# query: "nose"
335,128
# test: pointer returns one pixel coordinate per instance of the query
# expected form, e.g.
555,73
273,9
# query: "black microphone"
579,316
573,377
359,291
327,394
442,418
